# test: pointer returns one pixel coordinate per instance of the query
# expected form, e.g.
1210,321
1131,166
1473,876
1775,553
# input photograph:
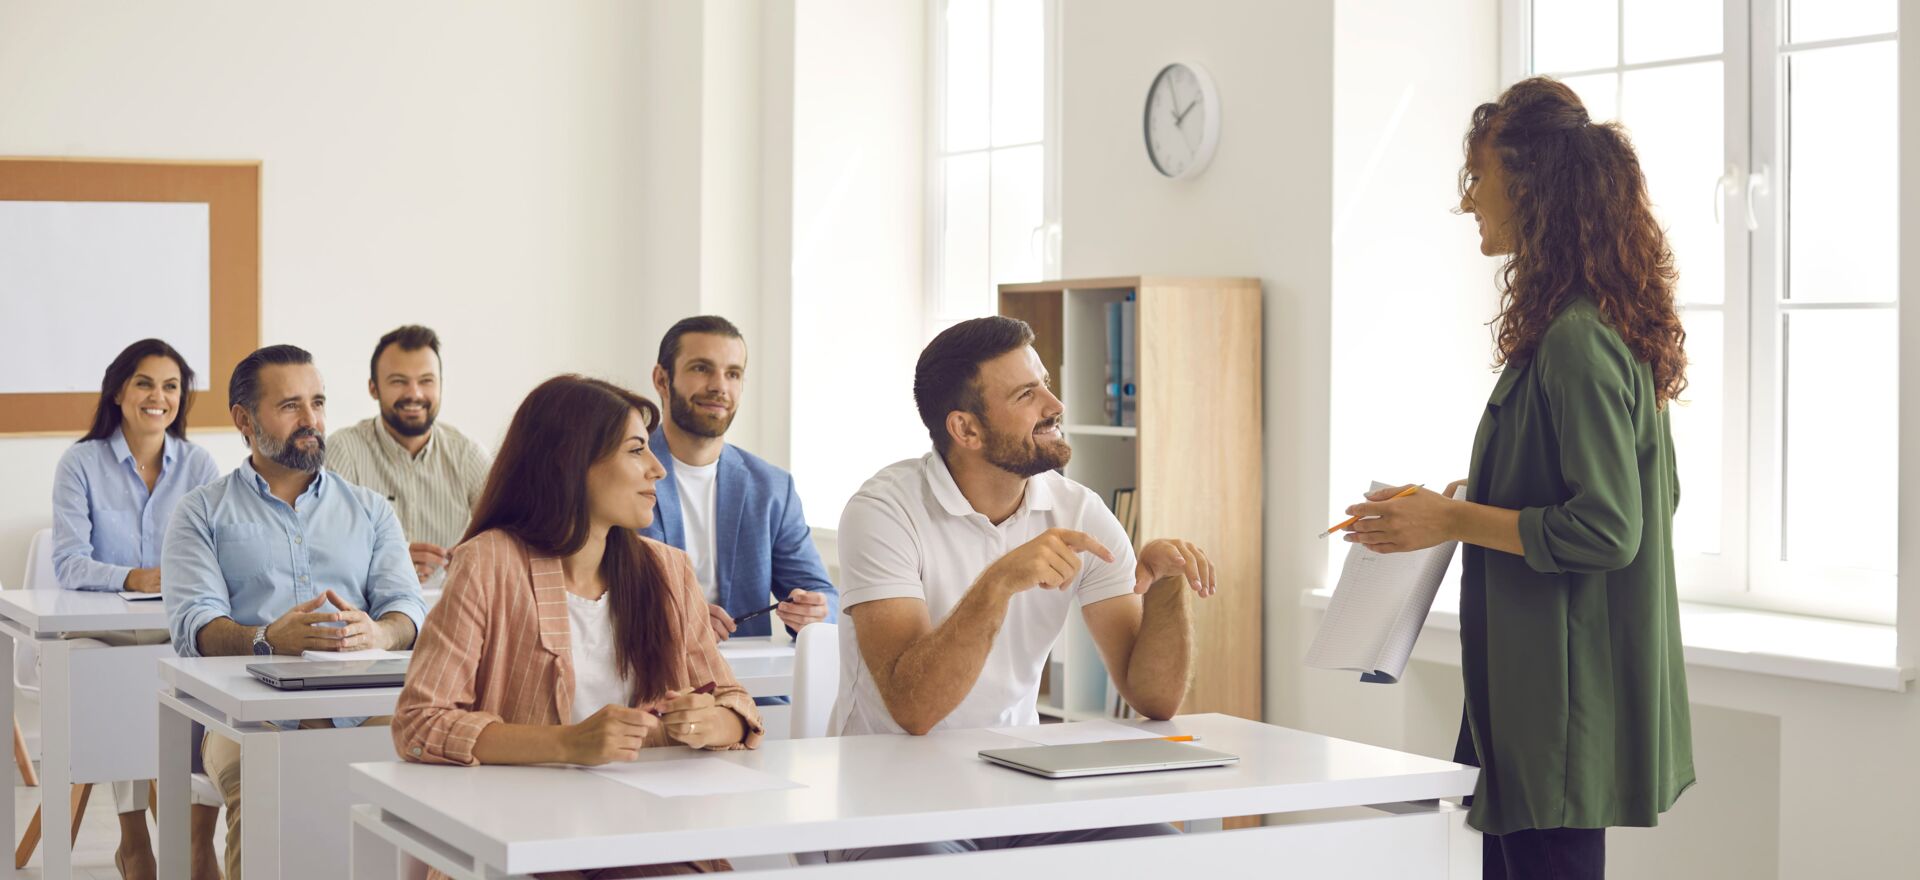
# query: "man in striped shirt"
430,472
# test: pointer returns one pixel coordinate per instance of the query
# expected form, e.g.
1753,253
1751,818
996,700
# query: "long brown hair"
107,415
537,492
1582,226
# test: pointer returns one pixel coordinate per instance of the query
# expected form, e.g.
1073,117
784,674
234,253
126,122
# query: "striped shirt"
433,493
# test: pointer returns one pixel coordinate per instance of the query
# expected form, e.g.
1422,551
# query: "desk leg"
7,818
373,857
176,764
56,759
261,805
1463,845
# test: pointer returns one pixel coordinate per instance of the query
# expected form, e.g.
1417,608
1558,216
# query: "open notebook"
1378,608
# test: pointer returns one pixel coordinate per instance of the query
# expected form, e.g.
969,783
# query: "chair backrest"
816,678
39,574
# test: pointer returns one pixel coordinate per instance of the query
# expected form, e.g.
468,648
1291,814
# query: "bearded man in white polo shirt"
957,569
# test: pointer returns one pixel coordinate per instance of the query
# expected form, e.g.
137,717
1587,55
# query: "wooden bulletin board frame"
232,192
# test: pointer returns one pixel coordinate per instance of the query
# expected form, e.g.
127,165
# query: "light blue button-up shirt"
234,550
105,522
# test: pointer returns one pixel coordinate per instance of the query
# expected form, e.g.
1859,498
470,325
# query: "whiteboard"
79,281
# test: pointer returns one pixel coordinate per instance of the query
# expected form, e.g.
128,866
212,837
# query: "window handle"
1720,188
1757,187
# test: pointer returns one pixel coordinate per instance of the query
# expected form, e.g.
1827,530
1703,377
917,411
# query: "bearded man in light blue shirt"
280,556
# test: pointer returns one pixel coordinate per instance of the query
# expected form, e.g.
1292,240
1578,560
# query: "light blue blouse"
105,522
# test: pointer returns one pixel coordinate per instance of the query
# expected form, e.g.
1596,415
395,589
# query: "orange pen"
1354,519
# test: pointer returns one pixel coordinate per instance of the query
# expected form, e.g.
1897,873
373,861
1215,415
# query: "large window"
1767,132
992,199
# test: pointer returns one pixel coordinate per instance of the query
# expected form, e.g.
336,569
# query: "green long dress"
1576,689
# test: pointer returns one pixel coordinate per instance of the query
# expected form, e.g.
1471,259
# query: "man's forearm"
397,629
222,637
1162,655
938,670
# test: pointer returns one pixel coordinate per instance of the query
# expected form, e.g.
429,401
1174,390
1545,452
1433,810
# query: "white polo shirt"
909,533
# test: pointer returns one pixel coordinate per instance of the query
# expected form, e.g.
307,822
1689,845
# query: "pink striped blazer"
497,647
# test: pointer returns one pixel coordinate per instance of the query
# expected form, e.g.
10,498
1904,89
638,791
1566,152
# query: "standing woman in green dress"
1576,690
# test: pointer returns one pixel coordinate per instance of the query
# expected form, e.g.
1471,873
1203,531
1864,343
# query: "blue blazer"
762,545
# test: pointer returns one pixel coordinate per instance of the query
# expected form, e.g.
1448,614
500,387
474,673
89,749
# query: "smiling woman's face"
620,485
150,400
1486,199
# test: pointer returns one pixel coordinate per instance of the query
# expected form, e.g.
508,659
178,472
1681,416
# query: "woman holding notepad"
1576,692
563,636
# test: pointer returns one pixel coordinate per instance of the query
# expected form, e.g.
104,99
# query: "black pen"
749,616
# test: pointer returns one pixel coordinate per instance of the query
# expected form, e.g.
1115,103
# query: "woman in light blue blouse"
111,500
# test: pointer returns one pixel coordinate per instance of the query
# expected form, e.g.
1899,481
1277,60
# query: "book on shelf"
1129,391
1126,509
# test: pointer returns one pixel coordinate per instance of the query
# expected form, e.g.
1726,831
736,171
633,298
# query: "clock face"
1182,120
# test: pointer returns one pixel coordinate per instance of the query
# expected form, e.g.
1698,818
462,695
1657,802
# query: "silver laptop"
1104,758
313,675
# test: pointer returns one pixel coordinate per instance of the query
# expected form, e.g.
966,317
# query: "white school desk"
487,823
291,785
96,702
293,791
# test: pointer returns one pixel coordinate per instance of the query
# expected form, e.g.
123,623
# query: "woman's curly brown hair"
1582,226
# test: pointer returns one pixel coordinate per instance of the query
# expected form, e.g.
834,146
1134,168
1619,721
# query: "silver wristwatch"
260,646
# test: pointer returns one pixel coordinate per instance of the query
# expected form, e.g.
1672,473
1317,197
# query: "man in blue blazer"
736,515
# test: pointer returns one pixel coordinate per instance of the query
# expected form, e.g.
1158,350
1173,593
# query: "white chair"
38,576
816,679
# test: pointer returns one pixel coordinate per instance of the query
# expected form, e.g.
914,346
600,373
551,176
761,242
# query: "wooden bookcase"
1193,459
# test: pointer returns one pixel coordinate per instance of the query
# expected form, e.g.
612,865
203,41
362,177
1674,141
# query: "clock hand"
1180,118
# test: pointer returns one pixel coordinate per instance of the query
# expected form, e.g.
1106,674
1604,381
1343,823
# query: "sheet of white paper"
132,596
1074,733
368,654
755,646
1378,609
692,777
122,270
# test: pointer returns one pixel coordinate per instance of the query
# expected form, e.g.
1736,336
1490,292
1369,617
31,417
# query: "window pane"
1698,429
964,289
1019,71
1658,30
966,74
1575,34
1842,240
1841,438
1675,117
1811,20
1600,92
1019,205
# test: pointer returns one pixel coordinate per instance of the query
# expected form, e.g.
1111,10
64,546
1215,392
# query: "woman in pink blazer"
625,658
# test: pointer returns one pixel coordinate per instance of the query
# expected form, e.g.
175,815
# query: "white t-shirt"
909,533
697,486
596,677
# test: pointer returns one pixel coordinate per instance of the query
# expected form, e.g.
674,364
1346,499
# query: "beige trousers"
222,759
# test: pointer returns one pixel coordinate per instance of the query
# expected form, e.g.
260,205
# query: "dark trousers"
1545,854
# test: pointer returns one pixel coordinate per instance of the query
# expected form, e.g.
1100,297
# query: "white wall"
472,166
859,73
1261,209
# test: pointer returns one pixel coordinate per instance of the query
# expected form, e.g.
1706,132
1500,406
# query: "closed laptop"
1104,758
310,675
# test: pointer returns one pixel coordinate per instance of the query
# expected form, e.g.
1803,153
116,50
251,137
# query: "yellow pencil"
1353,519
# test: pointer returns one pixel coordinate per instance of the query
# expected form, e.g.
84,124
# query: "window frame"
937,316
1750,570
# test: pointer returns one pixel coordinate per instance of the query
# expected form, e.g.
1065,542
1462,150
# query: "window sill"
1717,637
